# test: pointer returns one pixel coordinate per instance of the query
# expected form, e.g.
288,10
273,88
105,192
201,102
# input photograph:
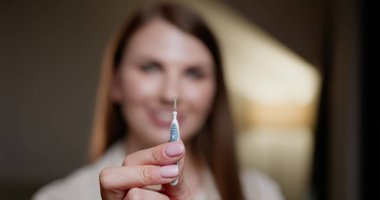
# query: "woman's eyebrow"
144,58
200,65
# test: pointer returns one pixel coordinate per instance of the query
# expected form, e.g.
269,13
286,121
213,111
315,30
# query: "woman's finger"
139,193
124,178
180,190
164,154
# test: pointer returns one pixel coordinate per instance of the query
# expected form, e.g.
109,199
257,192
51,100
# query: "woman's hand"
142,170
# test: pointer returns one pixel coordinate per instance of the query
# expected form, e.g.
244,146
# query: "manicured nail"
169,171
174,149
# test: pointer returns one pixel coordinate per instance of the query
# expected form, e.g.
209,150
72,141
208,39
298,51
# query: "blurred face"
160,62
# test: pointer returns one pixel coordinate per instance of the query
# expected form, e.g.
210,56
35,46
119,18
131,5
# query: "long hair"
215,141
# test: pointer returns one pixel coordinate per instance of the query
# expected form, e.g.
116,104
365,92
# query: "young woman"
165,50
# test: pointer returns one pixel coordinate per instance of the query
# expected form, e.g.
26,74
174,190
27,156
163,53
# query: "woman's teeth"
164,116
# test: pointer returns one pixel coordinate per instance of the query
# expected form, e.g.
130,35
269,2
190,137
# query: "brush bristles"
175,103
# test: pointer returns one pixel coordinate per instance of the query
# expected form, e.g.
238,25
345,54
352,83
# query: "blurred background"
297,72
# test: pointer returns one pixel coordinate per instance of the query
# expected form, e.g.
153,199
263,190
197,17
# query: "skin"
160,62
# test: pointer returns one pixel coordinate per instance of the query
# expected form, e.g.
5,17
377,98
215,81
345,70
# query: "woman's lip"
163,119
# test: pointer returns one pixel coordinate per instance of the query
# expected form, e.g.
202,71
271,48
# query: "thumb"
180,191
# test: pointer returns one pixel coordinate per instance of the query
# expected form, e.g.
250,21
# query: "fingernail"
174,149
169,171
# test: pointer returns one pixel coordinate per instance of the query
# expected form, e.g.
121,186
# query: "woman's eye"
150,67
195,73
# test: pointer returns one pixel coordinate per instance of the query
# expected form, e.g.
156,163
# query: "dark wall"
50,53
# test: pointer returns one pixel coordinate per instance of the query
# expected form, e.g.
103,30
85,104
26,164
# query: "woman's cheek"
147,87
198,100
140,87
200,96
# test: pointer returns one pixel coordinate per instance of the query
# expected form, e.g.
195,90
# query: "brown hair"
215,142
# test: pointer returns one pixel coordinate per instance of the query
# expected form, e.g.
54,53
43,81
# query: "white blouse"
83,183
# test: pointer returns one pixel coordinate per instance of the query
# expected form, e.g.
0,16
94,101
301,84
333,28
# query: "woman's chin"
158,137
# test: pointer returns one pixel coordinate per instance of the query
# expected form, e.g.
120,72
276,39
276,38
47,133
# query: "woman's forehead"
161,40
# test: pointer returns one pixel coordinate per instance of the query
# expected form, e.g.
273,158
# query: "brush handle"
174,137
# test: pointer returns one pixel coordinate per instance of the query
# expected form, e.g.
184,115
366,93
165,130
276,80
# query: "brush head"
175,103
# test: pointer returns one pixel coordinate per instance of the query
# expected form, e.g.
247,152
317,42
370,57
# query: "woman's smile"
163,118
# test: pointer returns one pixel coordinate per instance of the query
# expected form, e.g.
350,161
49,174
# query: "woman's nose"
170,90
